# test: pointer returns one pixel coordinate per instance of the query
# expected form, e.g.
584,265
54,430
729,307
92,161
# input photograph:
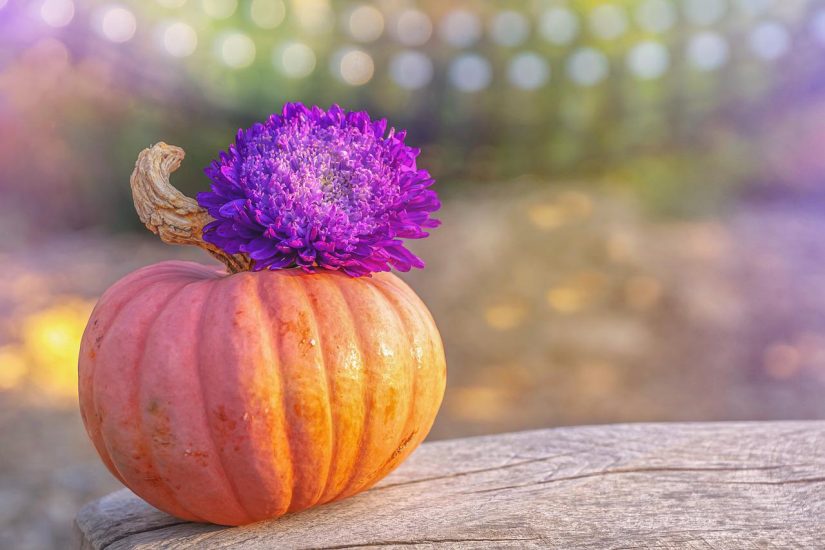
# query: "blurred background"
634,197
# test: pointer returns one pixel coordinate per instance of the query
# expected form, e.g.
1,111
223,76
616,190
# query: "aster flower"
311,188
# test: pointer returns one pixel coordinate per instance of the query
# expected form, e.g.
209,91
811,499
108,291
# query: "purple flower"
312,188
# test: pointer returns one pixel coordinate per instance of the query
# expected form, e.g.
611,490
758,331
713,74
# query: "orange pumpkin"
232,398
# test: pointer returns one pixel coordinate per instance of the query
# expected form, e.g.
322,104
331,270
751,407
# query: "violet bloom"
312,188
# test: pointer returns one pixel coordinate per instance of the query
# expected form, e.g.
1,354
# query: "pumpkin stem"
168,213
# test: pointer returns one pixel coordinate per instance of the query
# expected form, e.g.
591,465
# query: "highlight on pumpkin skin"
311,188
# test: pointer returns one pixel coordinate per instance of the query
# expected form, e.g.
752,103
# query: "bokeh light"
313,16
295,59
656,16
528,71
179,39
353,66
576,293
818,26
267,14
707,50
587,66
608,21
470,72
505,316
509,28
413,28
546,215
57,13
51,340
171,3
235,49
793,9
411,69
365,23
648,60
117,23
559,25
219,9
770,40
704,12
460,28
754,7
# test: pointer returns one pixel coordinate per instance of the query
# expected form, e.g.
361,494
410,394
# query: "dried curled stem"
168,213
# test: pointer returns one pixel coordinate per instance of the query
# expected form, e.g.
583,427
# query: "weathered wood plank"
719,485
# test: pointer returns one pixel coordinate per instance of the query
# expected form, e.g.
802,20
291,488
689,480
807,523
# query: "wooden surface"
725,485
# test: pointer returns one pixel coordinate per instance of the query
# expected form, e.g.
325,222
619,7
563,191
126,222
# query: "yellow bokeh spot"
504,316
569,206
51,342
546,216
13,367
566,299
480,403
579,292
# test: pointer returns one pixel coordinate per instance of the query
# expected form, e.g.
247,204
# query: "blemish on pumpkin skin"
201,457
143,468
149,474
298,327
226,424
153,407
237,317
396,453
162,436
161,428
402,446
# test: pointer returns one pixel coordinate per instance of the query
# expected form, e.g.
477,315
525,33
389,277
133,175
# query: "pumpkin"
230,396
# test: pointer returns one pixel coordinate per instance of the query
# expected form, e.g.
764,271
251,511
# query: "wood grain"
718,485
